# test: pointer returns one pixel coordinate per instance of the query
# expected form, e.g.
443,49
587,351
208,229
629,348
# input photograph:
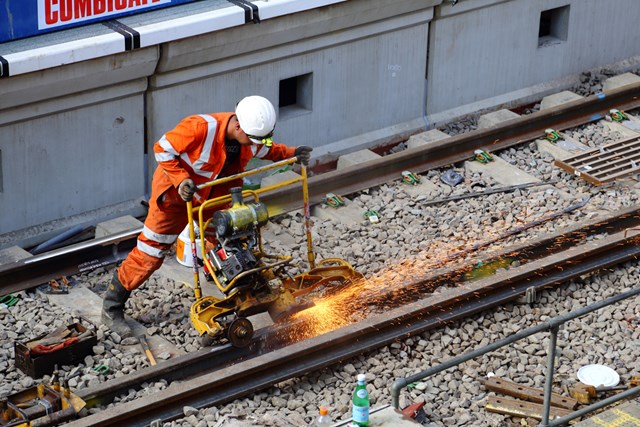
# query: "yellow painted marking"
621,421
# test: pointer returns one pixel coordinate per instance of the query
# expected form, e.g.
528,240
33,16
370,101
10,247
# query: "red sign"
54,13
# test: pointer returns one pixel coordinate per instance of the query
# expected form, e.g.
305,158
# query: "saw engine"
251,280
237,231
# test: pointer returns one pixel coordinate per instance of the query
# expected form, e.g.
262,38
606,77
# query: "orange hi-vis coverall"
195,149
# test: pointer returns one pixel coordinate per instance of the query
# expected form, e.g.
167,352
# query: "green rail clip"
410,178
372,216
334,200
8,301
101,369
618,116
552,135
482,156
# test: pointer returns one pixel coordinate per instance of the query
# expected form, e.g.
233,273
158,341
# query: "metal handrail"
552,325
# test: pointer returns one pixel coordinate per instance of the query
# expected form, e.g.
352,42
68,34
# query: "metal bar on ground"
548,384
555,322
488,192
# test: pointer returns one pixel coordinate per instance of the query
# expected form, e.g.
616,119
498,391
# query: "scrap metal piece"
521,408
451,178
41,405
500,385
416,411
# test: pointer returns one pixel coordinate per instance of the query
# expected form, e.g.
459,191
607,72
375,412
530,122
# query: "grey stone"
189,410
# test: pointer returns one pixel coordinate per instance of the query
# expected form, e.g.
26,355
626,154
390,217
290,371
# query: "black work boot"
113,308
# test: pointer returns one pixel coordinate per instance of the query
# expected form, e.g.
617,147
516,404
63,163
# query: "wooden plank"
521,408
531,394
578,173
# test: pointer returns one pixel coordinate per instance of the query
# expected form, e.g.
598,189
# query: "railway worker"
199,149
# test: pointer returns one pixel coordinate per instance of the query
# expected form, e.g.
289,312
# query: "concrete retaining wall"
491,50
73,137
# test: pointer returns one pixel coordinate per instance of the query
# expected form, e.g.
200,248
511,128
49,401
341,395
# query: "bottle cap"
361,377
323,410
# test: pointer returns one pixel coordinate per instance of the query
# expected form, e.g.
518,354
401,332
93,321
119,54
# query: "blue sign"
25,18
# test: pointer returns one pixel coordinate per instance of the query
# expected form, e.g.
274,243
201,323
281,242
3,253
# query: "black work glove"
186,189
303,153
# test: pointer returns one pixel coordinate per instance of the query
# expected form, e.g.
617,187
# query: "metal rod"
401,383
194,253
489,192
249,172
601,404
551,357
307,218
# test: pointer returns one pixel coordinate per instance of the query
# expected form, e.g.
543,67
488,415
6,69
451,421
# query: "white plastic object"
324,420
598,375
183,246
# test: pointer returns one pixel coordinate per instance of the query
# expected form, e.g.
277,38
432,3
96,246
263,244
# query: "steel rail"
24,274
209,359
459,147
287,361
85,256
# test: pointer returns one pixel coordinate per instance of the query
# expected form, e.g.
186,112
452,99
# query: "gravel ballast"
409,230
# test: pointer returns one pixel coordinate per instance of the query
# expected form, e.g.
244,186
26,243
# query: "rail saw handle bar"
200,210
275,165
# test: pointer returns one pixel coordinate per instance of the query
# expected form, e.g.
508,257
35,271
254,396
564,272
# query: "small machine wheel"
240,332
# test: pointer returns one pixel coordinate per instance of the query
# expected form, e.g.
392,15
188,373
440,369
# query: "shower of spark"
387,289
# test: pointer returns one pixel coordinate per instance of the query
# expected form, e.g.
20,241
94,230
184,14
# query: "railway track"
218,375
80,257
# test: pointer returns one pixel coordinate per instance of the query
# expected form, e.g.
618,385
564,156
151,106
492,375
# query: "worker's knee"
137,268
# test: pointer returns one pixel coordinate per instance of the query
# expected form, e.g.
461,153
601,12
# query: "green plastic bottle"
360,407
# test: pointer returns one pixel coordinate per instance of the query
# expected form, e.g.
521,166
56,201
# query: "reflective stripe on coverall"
194,149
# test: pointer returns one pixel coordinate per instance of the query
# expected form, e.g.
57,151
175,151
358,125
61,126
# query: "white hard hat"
257,118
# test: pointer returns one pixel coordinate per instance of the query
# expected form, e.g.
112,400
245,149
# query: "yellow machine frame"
207,308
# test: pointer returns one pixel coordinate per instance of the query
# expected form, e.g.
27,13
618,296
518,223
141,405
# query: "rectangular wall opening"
295,95
554,26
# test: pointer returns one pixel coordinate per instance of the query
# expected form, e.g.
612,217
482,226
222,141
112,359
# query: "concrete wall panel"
483,52
285,30
71,162
358,86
